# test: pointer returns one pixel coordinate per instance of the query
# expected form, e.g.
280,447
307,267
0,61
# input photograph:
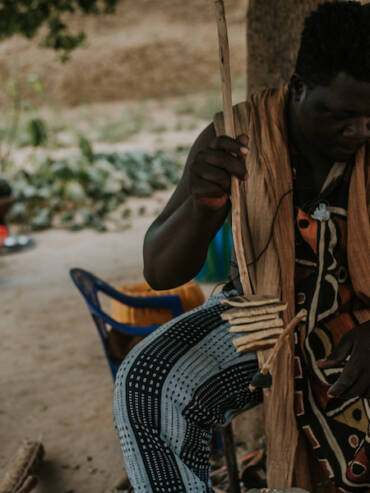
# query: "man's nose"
358,129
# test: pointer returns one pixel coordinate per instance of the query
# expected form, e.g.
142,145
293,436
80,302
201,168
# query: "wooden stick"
230,457
230,131
287,331
28,485
27,458
254,346
239,326
265,371
265,317
259,336
235,313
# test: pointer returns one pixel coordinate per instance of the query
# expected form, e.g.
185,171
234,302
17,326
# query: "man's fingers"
212,181
236,148
351,374
340,353
339,388
212,187
328,363
222,159
360,388
243,139
212,170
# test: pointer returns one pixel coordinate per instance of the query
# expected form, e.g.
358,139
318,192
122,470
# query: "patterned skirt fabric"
337,429
170,391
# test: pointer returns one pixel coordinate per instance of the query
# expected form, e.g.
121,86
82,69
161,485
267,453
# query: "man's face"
335,119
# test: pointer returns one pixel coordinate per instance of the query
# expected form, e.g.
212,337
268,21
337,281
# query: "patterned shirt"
337,429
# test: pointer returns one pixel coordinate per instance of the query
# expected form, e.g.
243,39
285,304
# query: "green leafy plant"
85,148
37,131
20,125
80,191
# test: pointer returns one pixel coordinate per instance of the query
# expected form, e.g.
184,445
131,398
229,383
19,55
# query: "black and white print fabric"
170,391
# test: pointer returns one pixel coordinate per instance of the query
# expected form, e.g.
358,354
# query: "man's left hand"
355,378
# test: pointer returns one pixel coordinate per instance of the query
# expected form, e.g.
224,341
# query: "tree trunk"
273,34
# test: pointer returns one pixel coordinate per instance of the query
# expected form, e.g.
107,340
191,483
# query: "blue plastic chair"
90,285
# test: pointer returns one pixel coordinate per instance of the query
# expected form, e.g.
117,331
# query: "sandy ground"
55,381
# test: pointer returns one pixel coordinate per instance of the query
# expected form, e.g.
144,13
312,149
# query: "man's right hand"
212,169
176,244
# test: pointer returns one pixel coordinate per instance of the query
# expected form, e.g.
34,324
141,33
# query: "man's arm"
176,244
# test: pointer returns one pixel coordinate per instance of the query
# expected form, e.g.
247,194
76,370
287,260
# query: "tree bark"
273,35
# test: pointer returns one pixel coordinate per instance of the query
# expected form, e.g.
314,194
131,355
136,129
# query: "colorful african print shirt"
337,429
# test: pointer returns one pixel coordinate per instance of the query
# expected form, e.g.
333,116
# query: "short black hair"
335,38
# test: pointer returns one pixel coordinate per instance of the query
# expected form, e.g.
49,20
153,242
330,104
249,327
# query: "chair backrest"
89,285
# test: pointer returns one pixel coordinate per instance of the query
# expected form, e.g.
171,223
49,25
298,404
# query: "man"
310,142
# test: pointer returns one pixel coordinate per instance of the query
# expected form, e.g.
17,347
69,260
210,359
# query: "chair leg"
230,456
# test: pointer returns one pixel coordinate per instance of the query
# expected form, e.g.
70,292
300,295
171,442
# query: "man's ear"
298,88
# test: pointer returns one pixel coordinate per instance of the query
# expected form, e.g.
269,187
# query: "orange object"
190,295
3,234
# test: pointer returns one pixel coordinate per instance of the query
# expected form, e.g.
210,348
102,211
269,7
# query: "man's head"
331,86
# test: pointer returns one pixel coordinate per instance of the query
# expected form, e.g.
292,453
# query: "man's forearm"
175,250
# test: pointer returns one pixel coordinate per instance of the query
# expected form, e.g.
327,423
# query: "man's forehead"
344,93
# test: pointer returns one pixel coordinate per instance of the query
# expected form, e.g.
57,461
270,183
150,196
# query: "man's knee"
138,386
